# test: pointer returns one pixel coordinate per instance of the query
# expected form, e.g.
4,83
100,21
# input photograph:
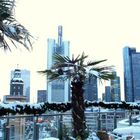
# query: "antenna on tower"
17,66
59,35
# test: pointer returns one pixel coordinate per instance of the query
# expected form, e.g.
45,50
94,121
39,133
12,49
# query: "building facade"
131,60
115,89
41,96
25,75
91,89
113,92
58,91
16,88
107,96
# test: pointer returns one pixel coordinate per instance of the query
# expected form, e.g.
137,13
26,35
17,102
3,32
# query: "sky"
100,28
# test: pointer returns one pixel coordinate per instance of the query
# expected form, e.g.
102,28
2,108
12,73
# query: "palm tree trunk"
78,108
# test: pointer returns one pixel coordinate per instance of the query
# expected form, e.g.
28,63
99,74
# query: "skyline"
103,26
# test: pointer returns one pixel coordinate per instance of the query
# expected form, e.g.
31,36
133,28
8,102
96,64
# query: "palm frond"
6,8
63,61
106,76
59,58
65,67
102,72
81,59
92,63
10,29
102,68
52,75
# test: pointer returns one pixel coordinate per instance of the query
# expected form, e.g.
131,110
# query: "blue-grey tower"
107,94
57,91
131,60
115,89
91,89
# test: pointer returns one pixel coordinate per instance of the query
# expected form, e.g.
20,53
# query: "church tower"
16,88
16,84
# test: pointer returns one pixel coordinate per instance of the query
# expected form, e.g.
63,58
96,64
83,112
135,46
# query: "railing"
30,127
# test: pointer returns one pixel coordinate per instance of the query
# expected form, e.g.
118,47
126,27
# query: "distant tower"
131,60
16,88
115,89
58,91
41,96
112,92
107,94
25,75
16,85
91,90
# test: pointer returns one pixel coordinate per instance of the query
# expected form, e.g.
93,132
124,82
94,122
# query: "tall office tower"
25,75
58,91
41,96
91,90
107,94
115,88
131,60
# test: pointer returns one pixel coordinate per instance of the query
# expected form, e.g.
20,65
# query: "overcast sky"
100,28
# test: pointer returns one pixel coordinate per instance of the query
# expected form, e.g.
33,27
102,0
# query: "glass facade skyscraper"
58,91
90,89
131,60
115,89
41,96
107,94
112,92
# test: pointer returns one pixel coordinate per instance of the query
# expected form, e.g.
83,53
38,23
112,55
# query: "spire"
17,66
59,35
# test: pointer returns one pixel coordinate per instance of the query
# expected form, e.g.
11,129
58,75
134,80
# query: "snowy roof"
127,130
135,121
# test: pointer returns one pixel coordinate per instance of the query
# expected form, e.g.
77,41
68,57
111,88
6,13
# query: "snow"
130,130
125,122
127,130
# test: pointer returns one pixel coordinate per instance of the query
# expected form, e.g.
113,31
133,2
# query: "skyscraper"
112,92
41,96
107,94
91,90
115,88
131,60
25,75
58,91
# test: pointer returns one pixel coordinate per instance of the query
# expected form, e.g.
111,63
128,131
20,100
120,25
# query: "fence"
53,124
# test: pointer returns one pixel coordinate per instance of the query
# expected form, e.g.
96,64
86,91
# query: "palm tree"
10,29
77,71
